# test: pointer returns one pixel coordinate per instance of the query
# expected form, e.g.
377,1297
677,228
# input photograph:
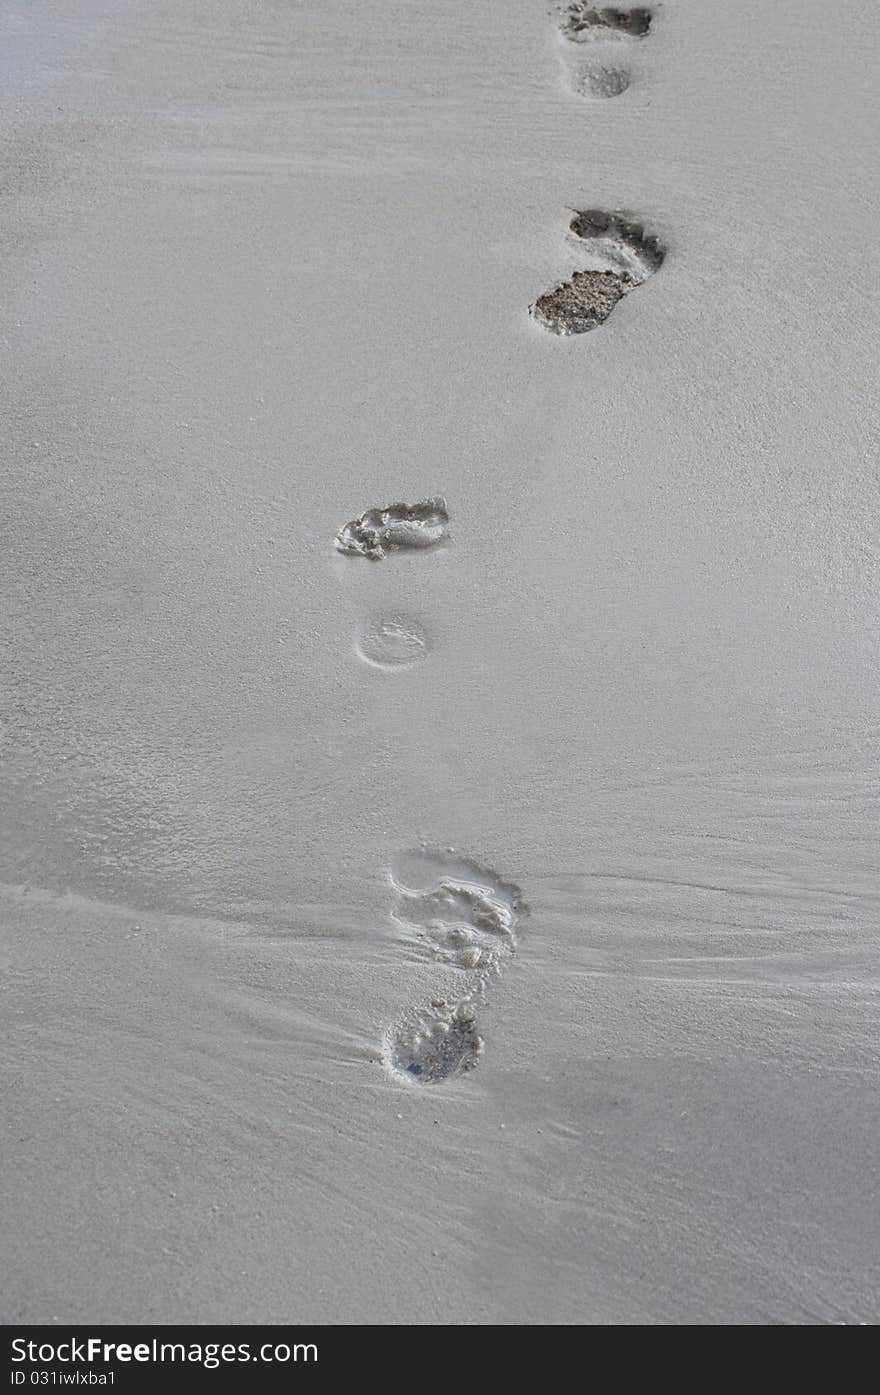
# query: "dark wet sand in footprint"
438,1042
619,257
583,23
463,915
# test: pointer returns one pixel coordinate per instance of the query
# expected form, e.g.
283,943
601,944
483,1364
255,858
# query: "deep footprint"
463,915
584,24
619,257
399,527
436,1044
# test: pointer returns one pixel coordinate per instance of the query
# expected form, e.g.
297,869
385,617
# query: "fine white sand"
268,267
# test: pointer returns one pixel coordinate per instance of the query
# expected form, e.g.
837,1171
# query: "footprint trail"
462,915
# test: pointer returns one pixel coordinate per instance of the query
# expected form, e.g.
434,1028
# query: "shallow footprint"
461,914
392,642
398,527
618,258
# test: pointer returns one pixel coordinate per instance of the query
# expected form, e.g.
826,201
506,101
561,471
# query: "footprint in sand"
616,256
395,528
462,915
604,31
392,642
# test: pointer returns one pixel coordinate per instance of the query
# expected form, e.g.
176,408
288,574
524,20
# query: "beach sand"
268,269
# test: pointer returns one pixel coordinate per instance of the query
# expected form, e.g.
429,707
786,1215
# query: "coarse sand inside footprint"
462,915
616,256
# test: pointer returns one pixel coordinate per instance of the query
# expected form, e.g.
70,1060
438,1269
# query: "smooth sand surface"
268,267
